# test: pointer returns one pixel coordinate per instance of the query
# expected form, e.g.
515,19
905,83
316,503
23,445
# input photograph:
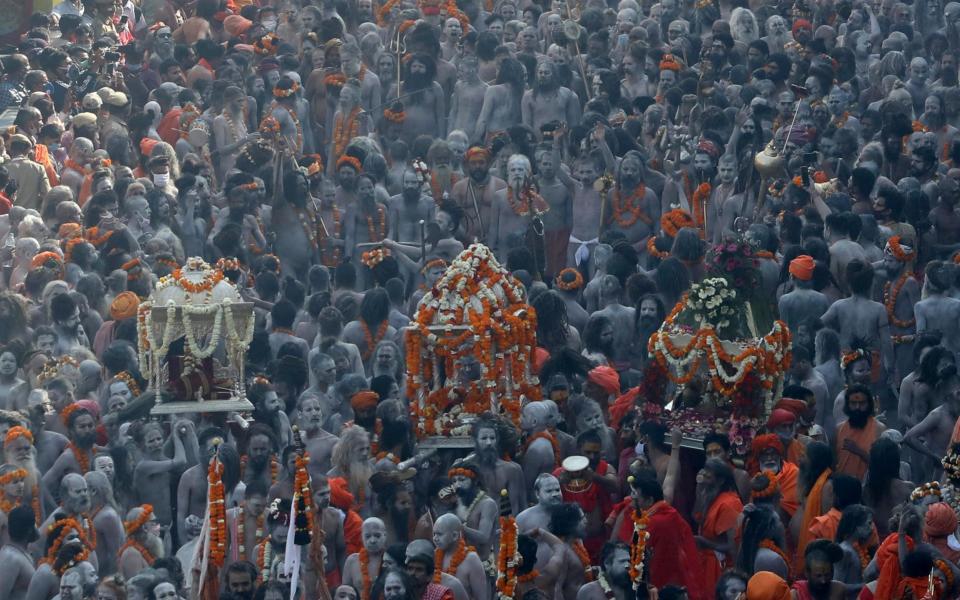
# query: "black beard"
628,182
411,195
858,418
467,495
479,175
620,580
819,590
348,184
949,77
648,322
705,174
546,86
417,81
400,518
86,441
487,456
259,463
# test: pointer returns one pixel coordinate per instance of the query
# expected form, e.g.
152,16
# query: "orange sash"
721,517
810,511
888,562
789,497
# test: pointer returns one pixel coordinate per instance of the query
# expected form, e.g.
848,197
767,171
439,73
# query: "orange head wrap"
670,63
235,25
899,250
477,152
146,146
797,407
940,521
767,441
46,259
606,378
802,267
69,230
340,495
349,161
124,306
569,279
17,431
365,400
765,585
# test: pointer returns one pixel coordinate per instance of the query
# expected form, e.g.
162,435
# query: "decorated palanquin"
470,347
709,342
194,332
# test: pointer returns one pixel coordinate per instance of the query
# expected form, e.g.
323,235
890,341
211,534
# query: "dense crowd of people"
332,160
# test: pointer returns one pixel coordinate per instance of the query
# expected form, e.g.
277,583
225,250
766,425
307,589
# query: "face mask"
161,179
639,448
270,24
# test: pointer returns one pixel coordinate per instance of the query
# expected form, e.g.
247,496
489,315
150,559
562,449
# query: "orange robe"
811,511
789,495
721,517
825,526
42,156
796,452
849,463
169,127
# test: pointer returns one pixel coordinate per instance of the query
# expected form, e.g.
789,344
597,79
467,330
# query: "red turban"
606,378
780,416
940,521
802,267
365,400
768,586
801,24
797,407
767,441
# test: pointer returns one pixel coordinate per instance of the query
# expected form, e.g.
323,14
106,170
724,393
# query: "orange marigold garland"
378,233
459,555
638,546
344,130
365,574
508,558
374,257
581,551
653,251
627,211
146,554
217,548
370,340
890,294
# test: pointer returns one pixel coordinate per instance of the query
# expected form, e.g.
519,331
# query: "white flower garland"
195,349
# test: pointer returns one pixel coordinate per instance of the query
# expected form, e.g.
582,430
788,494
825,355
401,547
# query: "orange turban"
340,495
802,267
780,416
124,306
365,400
146,146
44,259
767,586
606,378
69,230
940,520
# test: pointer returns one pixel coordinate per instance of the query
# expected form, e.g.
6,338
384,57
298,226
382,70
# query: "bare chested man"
332,523
370,559
475,193
319,442
614,573
501,102
931,436
900,293
192,489
468,94
16,563
541,452
106,521
77,456
937,311
153,473
496,474
858,319
546,489
408,208
841,229
568,523
622,317
425,104
448,536
476,509
142,528
804,304
634,208
549,101
515,208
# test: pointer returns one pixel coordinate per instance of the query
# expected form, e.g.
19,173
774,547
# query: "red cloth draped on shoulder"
810,511
721,517
672,557
888,562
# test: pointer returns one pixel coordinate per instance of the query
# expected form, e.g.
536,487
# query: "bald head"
99,484
374,535
446,531
535,416
419,547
